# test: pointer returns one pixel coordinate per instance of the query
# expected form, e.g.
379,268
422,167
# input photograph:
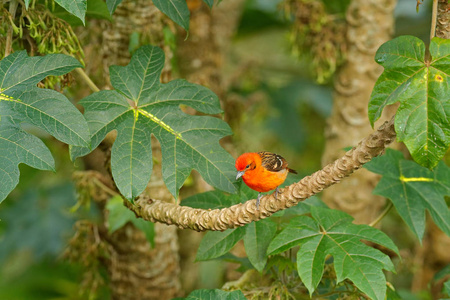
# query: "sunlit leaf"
141,106
413,189
422,87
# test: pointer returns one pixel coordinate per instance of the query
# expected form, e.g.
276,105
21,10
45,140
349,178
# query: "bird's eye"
248,166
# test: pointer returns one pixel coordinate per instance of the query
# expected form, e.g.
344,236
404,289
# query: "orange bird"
262,171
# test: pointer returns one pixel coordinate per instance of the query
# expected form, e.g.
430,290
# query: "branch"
239,215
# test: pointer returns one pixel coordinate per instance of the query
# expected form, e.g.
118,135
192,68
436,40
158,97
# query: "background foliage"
282,110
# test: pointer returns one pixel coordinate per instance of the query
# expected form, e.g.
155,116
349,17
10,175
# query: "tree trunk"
370,23
136,270
201,58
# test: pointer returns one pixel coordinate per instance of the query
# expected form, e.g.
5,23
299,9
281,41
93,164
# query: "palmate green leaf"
217,243
176,10
119,215
413,189
422,87
214,295
21,101
257,238
187,142
331,232
75,7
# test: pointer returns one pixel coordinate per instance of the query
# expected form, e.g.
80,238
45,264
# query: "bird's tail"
292,171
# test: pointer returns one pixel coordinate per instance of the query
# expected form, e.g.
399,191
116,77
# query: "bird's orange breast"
262,180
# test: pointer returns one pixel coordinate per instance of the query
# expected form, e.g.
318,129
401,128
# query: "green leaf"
391,294
413,189
217,243
119,215
18,71
447,287
176,10
243,261
214,294
281,264
112,5
218,199
258,236
148,228
210,3
301,208
75,7
21,101
96,9
18,146
331,232
422,88
442,273
211,200
187,142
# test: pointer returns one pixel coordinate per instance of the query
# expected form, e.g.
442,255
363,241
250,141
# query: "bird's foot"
276,194
258,200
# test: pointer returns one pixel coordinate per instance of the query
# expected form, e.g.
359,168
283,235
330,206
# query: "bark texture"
241,214
136,270
443,20
200,60
370,23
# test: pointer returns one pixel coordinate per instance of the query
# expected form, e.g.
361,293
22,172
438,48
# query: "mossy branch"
238,215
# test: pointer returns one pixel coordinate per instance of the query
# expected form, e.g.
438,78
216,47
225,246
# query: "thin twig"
87,79
382,215
104,187
433,19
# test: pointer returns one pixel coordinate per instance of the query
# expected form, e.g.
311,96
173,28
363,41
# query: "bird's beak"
239,174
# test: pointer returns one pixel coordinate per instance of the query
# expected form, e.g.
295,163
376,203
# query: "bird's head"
246,162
